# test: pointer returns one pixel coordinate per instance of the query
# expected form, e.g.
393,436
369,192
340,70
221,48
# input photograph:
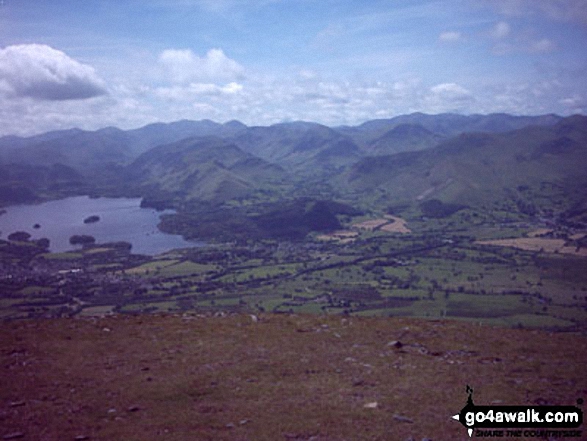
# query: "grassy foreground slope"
278,377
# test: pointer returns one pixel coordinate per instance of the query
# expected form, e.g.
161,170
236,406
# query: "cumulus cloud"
197,90
448,97
43,73
182,66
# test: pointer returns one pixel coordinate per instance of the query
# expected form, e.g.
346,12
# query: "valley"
422,216
351,280
426,273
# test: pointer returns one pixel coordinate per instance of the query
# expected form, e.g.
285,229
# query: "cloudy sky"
127,63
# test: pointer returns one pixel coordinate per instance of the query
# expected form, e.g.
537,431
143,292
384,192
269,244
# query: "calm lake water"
121,219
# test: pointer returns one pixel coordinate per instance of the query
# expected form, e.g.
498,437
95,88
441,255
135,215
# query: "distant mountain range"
413,158
477,167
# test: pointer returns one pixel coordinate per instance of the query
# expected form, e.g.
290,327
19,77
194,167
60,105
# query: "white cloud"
43,73
183,66
197,90
450,37
574,104
449,89
507,42
574,11
448,97
542,46
500,30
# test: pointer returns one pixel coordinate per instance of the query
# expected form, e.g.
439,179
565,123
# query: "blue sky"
92,64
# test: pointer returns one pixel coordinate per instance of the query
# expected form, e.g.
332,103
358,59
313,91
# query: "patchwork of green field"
440,273
171,268
35,290
97,310
62,256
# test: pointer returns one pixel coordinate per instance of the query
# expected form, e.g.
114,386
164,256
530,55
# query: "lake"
121,219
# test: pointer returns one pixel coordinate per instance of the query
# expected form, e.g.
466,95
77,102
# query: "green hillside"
208,169
523,165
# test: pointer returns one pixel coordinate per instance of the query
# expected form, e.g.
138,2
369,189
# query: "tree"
19,236
43,243
81,239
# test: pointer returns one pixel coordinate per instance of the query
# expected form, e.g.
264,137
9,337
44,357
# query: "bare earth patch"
271,377
537,244
342,236
388,223
397,226
370,225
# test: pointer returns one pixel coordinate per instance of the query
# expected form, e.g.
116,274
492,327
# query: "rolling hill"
411,158
474,168
209,169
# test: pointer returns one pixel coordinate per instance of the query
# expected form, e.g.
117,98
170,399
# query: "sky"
127,63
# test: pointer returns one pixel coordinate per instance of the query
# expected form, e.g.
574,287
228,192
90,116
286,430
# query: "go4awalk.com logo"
517,421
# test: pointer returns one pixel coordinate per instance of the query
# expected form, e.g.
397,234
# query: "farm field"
434,275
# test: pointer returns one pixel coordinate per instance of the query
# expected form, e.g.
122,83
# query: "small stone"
134,409
243,422
81,437
17,403
402,419
106,329
373,405
230,426
14,435
396,344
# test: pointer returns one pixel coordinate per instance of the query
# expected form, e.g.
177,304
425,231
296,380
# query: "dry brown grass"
342,236
388,223
277,378
370,225
398,225
537,244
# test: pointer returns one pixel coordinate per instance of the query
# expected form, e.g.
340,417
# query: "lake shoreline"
120,219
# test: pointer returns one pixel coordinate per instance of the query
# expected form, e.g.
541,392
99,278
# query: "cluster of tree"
435,208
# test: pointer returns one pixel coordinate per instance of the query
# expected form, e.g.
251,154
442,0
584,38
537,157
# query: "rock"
14,435
373,405
81,437
396,344
17,403
402,419
133,409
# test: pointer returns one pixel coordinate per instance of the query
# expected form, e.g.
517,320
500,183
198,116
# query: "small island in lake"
92,219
